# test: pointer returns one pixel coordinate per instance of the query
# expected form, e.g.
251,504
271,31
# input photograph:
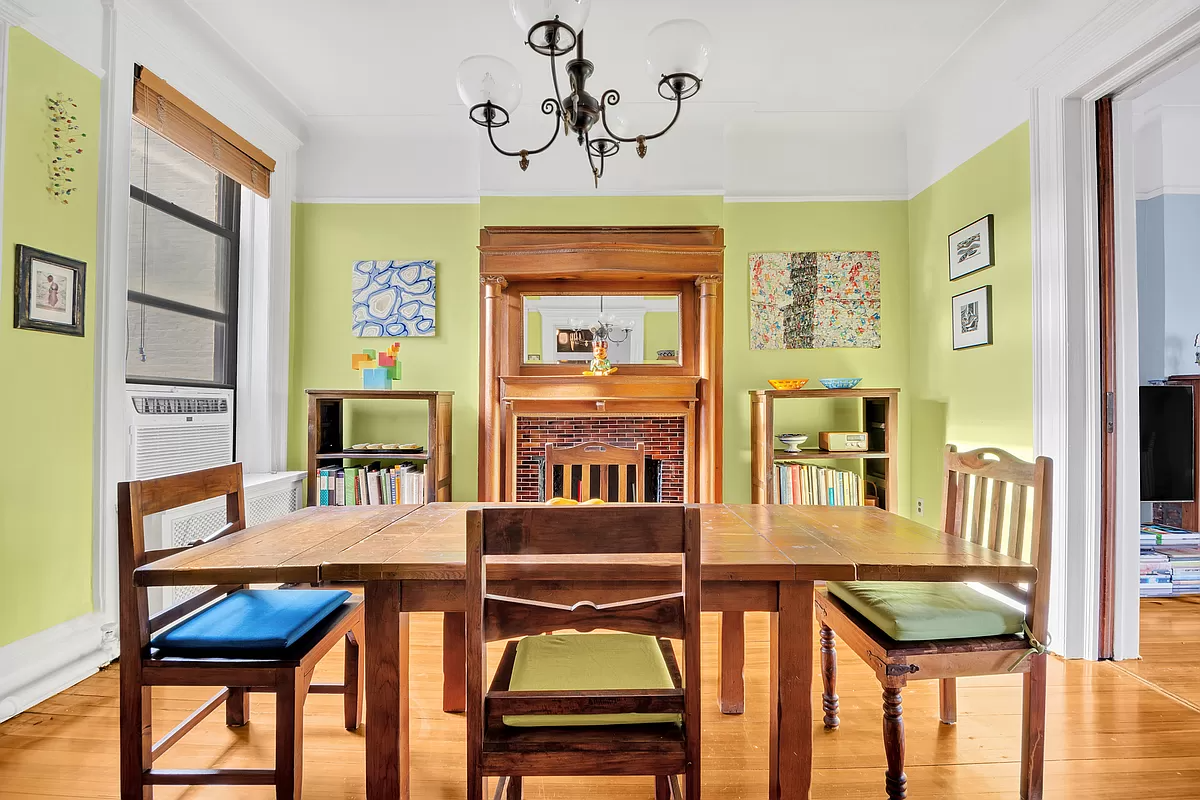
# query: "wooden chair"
995,500
287,673
549,747
608,458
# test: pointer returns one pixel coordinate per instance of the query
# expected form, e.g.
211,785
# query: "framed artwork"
803,301
971,248
49,292
393,298
971,318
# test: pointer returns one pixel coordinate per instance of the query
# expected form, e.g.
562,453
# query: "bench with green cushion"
591,661
909,611
250,623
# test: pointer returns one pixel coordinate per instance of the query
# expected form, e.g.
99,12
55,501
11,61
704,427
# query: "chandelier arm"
557,91
597,174
549,106
613,97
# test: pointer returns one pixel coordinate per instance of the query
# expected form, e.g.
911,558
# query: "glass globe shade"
483,79
618,123
679,45
528,13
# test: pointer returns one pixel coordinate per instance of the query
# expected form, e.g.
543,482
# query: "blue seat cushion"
251,621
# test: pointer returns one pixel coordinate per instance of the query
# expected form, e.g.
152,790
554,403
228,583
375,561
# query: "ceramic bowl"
840,383
785,384
793,440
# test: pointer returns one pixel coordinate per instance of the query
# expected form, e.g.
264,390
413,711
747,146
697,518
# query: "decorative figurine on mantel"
600,365
378,369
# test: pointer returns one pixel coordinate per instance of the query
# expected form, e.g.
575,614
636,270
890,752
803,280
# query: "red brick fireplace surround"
665,438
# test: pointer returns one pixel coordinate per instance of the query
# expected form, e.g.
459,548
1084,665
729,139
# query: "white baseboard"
41,665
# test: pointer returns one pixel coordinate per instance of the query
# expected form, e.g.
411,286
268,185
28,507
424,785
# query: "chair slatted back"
582,531
994,499
138,499
615,465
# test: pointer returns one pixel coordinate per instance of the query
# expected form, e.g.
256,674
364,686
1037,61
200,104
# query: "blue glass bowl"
840,383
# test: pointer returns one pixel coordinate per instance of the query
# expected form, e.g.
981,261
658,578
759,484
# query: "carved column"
489,407
708,450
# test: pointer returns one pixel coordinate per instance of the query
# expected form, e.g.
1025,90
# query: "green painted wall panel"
981,396
46,487
601,210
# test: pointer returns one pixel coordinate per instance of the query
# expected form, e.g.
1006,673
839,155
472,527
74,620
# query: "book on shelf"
371,485
798,483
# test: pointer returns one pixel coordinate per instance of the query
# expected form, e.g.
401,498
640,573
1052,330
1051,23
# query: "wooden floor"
1114,731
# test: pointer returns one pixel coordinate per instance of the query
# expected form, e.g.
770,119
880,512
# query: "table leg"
791,693
731,662
454,662
387,692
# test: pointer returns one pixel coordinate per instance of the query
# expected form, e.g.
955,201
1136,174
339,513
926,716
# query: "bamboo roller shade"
164,110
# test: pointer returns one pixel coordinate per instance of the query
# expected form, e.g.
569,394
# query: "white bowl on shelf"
792,441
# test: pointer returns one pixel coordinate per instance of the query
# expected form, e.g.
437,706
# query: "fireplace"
665,438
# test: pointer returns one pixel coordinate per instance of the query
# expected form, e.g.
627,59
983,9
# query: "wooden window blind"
164,110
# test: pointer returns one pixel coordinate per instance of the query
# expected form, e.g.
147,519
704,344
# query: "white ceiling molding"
72,27
13,12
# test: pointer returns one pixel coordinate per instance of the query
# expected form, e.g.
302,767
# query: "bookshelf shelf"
879,416
326,436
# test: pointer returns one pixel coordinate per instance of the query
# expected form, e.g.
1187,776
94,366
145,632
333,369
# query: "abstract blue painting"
393,298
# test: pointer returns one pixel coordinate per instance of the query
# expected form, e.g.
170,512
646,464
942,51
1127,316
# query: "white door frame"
1130,39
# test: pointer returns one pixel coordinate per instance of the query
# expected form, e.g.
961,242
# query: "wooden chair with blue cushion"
911,631
584,704
245,640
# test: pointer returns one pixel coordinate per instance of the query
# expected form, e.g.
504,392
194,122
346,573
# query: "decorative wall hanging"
378,368
810,300
49,292
393,298
971,248
971,318
66,142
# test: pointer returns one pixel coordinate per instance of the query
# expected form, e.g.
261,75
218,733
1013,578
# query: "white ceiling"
392,58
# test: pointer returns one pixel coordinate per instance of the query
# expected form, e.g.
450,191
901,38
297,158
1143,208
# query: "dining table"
754,558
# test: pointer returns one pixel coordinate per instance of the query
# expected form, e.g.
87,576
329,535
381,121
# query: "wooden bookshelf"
878,418
326,443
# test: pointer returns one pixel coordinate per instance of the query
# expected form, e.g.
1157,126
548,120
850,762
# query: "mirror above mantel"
640,329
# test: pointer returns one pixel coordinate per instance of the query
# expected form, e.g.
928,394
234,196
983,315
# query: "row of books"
372,485
809,485
1170,561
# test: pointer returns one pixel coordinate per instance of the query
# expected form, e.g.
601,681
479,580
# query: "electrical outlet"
920,507
108,634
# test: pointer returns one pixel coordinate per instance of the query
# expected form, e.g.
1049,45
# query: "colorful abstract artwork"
393,298
810,300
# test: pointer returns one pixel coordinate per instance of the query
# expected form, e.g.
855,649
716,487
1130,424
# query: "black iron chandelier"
491,88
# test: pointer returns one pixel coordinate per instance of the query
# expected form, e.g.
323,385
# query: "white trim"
817,198
13,13
1123,43
1161,190
42,665
389,201
20,16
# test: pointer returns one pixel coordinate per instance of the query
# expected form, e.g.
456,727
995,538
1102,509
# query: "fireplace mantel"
687,261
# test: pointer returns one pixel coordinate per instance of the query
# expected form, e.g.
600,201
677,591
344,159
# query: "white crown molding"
388,201
818,198
1168,190
13,12
42,665
16,14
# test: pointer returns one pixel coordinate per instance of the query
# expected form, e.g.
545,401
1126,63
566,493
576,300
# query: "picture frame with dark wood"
49,292
971,318
972,248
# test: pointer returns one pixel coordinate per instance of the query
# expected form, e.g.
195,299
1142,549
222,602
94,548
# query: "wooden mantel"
683,260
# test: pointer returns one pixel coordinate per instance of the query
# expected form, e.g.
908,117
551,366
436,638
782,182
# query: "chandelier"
606,326
489,86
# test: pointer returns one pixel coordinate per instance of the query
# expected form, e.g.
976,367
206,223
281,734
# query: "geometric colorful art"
393,298
810,300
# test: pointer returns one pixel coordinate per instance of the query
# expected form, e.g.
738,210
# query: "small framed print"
49,292
971,318
971,248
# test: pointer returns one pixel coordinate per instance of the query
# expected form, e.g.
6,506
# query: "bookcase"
878,417
326,442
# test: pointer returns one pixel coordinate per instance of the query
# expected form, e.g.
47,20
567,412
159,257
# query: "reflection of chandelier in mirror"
677,59
606,326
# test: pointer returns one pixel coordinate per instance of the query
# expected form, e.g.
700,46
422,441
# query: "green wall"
46,488
758,227
328,240
660,332
983,395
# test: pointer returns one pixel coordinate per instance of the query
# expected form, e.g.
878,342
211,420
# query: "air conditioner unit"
177,429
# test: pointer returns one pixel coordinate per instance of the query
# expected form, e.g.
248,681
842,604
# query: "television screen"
1168,444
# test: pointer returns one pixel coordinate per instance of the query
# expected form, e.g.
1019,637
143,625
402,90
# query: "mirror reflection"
561,329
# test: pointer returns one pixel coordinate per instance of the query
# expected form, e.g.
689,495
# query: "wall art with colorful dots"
811,300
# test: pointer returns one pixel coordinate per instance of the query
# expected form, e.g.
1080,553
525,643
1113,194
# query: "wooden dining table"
754,557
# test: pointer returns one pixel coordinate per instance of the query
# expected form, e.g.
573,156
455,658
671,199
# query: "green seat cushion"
910,612
580,661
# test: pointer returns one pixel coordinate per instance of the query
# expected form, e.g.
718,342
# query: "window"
183,267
